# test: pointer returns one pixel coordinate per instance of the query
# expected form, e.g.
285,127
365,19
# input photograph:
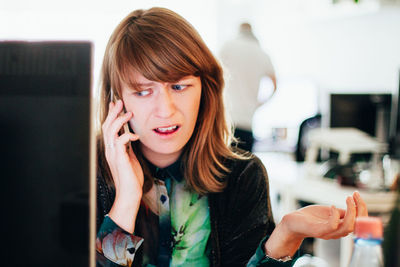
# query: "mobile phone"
114,99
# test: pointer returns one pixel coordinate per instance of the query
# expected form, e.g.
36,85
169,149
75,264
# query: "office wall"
360,53
354,48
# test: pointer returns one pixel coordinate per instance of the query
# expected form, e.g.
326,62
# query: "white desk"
289,179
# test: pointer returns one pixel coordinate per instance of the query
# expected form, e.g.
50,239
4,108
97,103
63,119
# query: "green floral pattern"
190,224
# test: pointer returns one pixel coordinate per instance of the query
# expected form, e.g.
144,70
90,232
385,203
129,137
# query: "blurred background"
328,55
317,47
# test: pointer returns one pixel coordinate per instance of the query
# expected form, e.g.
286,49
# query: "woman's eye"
179,87
142,93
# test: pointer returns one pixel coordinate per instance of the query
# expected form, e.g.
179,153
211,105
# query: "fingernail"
351,199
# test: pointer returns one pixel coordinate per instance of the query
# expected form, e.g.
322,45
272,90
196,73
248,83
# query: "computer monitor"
369,113
45,153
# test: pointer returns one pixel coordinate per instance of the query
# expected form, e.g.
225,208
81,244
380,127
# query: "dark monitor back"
45,152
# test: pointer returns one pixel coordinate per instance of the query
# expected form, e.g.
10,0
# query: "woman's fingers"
360,204
350,217
123,142
117,124
116,144
347,225
114,109
332,222
342,213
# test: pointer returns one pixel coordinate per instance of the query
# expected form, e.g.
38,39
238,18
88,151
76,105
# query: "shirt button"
161,175
131,250
163,199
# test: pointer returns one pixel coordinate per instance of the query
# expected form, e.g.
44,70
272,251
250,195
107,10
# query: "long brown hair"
164,47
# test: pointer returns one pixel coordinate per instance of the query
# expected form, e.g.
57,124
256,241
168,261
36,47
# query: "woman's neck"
160,160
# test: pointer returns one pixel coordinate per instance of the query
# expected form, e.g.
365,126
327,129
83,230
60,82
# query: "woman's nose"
165,104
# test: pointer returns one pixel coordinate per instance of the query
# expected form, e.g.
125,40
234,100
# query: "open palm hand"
314,221
326,222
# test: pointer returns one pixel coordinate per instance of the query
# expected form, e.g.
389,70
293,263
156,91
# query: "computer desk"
294,181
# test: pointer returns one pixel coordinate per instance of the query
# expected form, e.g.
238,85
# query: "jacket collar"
172,171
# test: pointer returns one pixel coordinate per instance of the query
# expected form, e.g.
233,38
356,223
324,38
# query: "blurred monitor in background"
369,113
45,153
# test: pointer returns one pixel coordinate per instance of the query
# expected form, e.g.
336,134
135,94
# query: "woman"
171,190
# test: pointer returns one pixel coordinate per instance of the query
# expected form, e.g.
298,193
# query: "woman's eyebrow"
186,79
145,84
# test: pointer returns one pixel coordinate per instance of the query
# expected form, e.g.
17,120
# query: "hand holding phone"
126,171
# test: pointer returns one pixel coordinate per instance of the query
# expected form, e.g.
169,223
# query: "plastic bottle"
367,251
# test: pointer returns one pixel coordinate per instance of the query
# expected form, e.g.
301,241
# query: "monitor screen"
369,113
45,152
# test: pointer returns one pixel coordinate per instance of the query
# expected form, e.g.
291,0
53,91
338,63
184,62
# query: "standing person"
171,191
246,64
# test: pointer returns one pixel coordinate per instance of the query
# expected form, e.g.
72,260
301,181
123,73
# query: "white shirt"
244,63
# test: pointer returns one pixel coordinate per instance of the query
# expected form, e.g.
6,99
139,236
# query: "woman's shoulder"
246,169
245,161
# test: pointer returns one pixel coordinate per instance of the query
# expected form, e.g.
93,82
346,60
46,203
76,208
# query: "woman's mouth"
166,130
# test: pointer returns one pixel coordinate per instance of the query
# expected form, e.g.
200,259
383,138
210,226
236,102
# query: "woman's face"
164,116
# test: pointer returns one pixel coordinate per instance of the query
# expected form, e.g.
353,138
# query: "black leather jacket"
241,215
